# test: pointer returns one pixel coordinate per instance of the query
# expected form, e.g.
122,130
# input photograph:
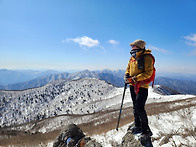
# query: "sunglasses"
134,46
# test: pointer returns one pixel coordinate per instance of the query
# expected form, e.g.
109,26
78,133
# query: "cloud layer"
113,42
89,42
85,41
191,39
158,49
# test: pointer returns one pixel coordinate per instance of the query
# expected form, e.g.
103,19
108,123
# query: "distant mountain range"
8,77
114,77
182,86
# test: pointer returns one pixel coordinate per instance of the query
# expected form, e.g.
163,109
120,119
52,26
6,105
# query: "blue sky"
95,34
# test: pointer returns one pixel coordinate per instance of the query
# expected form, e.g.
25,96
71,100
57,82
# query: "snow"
86,96
155,97
60,97
111,136
173,124
169,123
50,144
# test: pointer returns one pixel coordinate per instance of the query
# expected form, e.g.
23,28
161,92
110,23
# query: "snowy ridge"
95,102
84,96
59,97
164,90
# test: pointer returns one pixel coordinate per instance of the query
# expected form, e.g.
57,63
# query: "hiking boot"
146,134
145,139
135,130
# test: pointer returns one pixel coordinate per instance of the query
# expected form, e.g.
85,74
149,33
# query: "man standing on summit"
140,68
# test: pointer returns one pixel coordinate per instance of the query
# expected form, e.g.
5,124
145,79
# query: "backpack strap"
141,61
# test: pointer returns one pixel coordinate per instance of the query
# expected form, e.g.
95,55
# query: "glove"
127,78
134,79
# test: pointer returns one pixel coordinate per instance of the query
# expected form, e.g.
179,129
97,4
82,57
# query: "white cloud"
191,39
113,42
158,49
84,41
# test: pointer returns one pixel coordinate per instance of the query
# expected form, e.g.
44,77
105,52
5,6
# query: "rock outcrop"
73,136
129,140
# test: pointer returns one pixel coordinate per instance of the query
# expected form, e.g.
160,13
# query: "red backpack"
151,79
147,81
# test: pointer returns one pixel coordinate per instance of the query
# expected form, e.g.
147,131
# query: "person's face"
134,47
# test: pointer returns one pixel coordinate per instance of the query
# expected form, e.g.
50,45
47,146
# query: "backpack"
151,79
141,66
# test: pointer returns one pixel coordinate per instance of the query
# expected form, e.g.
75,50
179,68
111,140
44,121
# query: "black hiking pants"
140,116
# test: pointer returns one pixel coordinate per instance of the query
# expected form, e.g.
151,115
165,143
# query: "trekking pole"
125,87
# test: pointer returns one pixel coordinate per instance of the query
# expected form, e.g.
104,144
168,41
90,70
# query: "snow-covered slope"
89,100
59,97
82,96
171,129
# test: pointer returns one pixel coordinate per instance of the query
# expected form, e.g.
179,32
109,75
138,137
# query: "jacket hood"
147,51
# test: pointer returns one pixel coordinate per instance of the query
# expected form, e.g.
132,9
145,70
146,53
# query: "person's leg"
141,98
135,113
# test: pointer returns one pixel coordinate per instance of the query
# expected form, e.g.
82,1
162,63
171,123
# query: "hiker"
140,68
